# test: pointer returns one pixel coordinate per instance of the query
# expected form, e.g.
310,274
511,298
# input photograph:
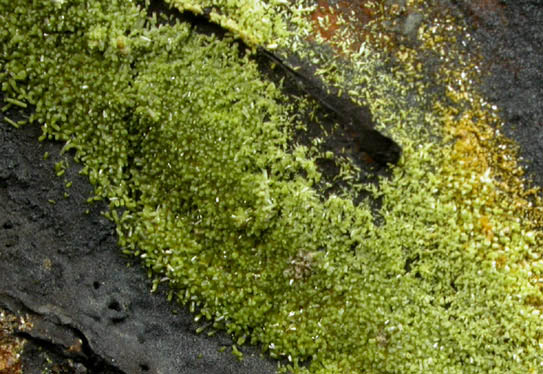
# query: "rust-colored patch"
357,14
360,10
325,20
10,345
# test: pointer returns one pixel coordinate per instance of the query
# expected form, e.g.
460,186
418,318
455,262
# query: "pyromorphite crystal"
183,135
256,22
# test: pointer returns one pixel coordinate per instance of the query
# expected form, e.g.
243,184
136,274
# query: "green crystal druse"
192,149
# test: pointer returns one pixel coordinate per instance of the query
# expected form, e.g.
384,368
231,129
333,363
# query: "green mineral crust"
192,148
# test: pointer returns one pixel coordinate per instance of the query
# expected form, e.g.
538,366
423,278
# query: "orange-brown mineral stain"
324,12
9,361
10,345
326,19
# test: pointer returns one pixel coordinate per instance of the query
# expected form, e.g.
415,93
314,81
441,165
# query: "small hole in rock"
144,367
114,305
96,285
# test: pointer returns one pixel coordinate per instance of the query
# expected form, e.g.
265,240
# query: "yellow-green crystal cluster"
265,23
188,144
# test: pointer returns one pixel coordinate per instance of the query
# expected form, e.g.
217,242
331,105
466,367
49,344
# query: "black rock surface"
509,35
